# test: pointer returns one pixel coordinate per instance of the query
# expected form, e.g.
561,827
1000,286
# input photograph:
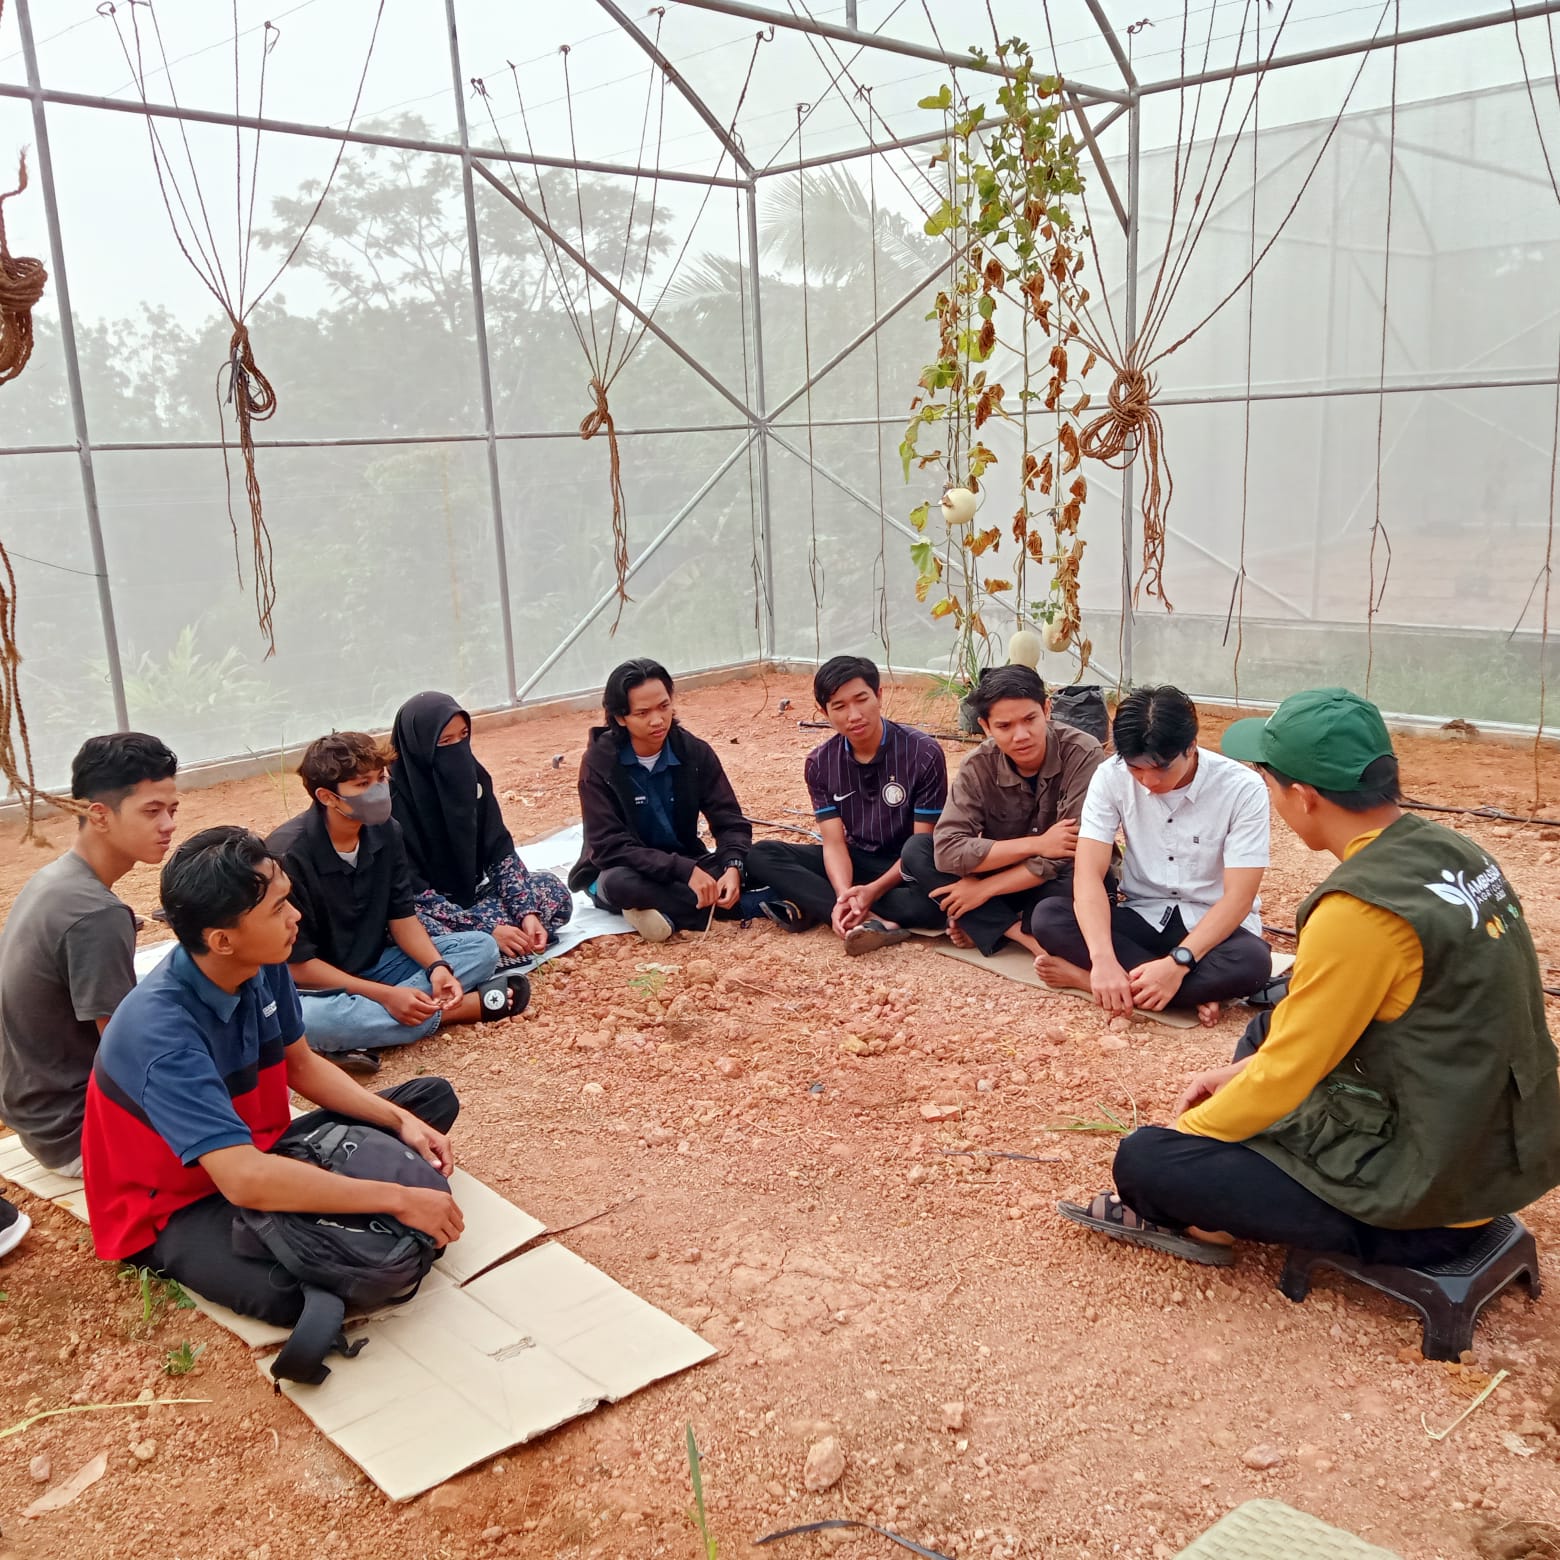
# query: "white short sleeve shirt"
1179,845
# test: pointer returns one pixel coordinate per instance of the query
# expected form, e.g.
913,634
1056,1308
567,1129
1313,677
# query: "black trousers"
196,1244
1235,968
795,872
986,926
624,888
1178,1179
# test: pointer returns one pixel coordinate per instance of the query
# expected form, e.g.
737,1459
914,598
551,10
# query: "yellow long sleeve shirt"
1355,962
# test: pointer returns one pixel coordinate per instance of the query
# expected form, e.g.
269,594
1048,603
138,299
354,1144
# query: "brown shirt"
990,801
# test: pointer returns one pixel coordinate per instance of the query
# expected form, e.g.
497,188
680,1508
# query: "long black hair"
622,680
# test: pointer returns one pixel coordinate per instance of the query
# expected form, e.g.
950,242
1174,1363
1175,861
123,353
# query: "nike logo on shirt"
842,797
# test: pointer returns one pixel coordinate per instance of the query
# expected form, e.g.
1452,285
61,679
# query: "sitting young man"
644,782
1405,1090
1188,932
368,973
873,785
190,1091
67,953
1006,839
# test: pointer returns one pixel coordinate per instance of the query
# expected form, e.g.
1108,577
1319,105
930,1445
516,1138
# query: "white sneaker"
650,924
11,1233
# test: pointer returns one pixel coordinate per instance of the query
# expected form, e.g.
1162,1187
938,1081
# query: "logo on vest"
1470,893
894,794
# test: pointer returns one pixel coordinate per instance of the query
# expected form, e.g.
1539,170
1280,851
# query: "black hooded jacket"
699,785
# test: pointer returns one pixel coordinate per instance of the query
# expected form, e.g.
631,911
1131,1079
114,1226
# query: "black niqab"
443,799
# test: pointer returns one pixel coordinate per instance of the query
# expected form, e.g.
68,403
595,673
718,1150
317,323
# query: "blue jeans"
339,1021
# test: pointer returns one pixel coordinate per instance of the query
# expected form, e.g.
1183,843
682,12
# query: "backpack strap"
317,1332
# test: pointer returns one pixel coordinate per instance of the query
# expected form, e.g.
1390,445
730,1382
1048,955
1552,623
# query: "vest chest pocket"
1350,1124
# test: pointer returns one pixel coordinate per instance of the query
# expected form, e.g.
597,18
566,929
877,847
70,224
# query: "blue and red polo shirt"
184,1068
879,803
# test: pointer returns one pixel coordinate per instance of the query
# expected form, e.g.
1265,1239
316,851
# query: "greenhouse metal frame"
1095,106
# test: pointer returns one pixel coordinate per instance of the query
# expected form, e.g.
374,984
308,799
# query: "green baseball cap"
1326,737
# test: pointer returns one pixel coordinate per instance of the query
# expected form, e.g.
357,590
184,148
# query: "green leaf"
942,98
918,517
923,554
987,306
940,221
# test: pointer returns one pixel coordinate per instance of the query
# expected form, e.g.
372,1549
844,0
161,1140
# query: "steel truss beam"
1448,29
205,116
791,22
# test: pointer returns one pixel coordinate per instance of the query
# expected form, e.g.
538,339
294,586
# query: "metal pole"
484,372
1512,14
766,628
1101,166
78,408
612,289
673,75
1129,334
207,116
1108,33
789,20
606,599
861,339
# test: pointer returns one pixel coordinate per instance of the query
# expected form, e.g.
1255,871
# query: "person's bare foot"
1016,933
1059,973
1213,1237
958,937
1208,1013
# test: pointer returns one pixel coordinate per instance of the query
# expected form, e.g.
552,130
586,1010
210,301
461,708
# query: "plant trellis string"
240,382
607,362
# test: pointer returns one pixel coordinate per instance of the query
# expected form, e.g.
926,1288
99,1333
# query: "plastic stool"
1447,1295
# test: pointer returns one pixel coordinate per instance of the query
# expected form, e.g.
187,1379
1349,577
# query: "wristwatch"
1185,958
438,964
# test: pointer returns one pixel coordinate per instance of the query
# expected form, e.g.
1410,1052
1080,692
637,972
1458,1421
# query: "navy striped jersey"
879,803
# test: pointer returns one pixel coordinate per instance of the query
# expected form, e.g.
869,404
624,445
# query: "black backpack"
342,1260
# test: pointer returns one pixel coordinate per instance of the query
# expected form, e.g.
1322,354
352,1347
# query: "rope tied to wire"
253,400
21,287
1131,425
599,420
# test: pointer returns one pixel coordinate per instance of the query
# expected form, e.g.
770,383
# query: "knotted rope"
598,420
21,286
1131,426
253,400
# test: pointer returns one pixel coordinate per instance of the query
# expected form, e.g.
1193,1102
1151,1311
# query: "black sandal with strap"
1108,1215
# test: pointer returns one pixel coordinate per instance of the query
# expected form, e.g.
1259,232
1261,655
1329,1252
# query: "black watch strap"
1184,957
438,964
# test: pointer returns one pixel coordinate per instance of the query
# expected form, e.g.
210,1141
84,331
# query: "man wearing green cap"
1405,1090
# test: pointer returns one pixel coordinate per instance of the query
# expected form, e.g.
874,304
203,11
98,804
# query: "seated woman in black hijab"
462,857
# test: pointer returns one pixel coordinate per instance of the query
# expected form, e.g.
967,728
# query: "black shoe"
361,1064
787,915
14,1224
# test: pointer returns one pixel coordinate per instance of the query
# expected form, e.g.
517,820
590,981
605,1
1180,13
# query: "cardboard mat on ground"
1016,963
495,1349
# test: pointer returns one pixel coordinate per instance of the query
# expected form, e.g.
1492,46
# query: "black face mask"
456,766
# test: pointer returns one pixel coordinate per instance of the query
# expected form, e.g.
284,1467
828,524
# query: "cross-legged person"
368,973
464,869
873,785
1006,839
1404,1091
189,1093
68,950
1187,932
645,781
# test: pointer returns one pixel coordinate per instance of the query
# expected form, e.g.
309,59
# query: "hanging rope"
1130,425
880,565
241,387
623,338
21,286
813,570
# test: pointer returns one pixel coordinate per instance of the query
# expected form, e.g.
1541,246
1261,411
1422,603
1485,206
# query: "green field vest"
1451,1112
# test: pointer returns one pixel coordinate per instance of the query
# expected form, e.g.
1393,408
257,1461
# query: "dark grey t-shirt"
67,958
